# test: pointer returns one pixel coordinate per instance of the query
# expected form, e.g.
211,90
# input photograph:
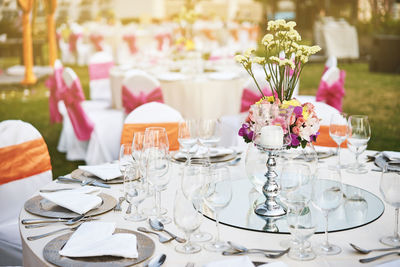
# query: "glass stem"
326,230
217,238
158,202
338,154
135,209
396,224
188,243
357,163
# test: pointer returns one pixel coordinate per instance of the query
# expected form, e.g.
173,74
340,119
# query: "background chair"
99,74
25,167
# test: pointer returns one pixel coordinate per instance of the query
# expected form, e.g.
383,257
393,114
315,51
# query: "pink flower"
296,130
300,121
292,119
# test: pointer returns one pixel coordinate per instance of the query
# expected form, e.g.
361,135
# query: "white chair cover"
14,194
153,112
100,88
103,145
138,82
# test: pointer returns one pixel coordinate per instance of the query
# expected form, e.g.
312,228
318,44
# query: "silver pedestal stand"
271,188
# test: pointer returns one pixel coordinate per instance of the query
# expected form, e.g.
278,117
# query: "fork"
36,237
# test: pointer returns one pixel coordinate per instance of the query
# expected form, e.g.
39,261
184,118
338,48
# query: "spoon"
268,255
244,249
159,226
156,261
161,238
378,257
366,251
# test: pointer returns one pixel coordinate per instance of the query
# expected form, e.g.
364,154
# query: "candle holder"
270,208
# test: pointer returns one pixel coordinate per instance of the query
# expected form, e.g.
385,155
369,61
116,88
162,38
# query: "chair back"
331,88
153,114
25,167
99,74
56,86
140,88
72,97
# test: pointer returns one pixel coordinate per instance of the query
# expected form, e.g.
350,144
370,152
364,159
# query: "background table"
366,236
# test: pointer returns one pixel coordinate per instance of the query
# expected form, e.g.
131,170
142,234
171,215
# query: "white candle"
272,136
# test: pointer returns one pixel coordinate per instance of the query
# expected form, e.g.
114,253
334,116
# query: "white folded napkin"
242,261
79,200
222,76
392,155
104,171
202,152
97,239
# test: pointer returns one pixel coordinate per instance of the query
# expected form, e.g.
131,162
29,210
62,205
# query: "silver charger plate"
219,159
145,247
40,206
82,175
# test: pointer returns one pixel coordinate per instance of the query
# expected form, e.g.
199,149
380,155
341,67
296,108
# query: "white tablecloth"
366,236
196,98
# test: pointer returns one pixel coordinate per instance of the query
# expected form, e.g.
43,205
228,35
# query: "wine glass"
301,226
390,190
209,133
137,145
327,196
187,137
194,184
135,192
359,135
218,196
294,191
157,166
125,157
338,132
188,219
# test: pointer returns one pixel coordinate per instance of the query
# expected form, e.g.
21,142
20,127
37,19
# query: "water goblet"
338,132
358,137
135,192
301,226
187,137
137,145
327,196
390,190
218,196
194,184
209,133
188,219
125,157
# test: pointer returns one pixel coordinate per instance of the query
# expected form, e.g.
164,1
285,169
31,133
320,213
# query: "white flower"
291,24
303,59
267,38
274,59
258,60
248,52
240,59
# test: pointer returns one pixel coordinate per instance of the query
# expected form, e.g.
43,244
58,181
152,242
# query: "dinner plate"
213,160
145,248
82,175
40,206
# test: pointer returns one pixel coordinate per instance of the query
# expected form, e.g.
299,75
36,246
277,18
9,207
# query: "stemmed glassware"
137,145
187,137
390,190
135,191
359,132
338,132
327,196
157,164
209,133
218,196
188,219
195,180
125,157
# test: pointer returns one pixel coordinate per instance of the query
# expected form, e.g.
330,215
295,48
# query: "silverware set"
241,250
366,251
36,237
92,182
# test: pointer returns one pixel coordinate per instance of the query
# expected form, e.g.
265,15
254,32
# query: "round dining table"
366,236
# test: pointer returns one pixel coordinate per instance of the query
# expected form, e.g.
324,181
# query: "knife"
94,183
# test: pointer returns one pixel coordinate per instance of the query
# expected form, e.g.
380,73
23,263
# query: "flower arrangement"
282,64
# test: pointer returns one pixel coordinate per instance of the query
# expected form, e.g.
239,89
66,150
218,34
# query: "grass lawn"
374,94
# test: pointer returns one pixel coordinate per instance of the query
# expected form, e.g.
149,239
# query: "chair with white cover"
55,84
139,88
78,46
99,74
331,88
25,167
153,114
88,133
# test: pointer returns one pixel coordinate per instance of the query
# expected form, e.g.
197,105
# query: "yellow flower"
258,60
292,102
267,39
305,112
240,58
248,52
189,45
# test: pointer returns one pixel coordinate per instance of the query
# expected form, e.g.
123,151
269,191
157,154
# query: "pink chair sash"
73,38
96,39
249,97
332,95
56,86
161,38
73,96
131,40
131,101
98,71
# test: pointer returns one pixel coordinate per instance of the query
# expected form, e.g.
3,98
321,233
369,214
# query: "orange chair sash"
23,160
324,138
171,127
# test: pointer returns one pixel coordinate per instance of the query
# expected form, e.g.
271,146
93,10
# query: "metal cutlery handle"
37,225
54,190
36,237
68,179
177,238
29,221
378,257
